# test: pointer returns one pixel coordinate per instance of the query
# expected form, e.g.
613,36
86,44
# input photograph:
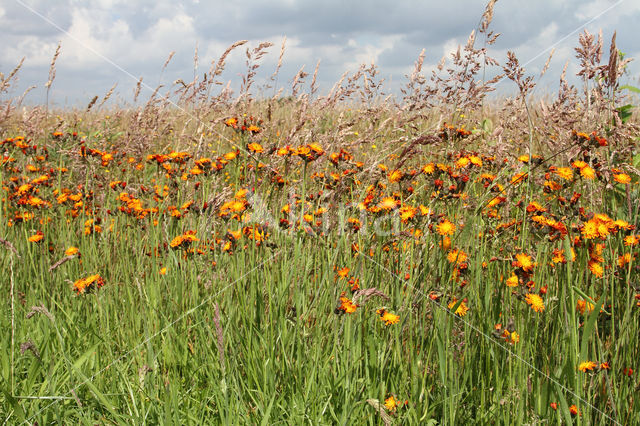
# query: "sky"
104,42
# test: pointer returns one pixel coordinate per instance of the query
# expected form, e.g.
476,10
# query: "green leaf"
630,88
487,125
19,412
588,329
625,112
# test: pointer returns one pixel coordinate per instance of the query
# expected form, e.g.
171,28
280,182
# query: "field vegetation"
271,256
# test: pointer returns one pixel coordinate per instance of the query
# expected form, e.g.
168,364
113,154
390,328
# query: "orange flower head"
446,228
535,301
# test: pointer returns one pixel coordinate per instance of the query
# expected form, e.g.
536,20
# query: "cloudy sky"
114,41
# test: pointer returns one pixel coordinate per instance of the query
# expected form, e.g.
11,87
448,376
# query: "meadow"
204,257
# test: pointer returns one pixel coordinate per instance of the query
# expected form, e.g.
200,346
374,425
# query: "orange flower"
462,308
446,228
184,240
36,238
346,305
596,268
512,281
390,403
72,251
524,261
343,272
622,178
387,317
535,301
232,122
583,306
565,173
85,285
255,147
587,366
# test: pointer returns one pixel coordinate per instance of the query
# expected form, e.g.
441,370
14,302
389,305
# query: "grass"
359,262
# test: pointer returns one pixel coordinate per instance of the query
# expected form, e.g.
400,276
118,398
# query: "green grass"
144,347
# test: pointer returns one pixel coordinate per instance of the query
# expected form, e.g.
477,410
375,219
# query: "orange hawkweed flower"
524,261
631,240
596,268
587,172
183,240
565,173
387,317
255,147
512,281
587,366
622,178
391,403
462,308
343,272
72,251
446,228
583,306
36,238
85,285
535,301
346,305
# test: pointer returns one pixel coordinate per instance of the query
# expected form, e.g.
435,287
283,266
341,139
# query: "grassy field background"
446,258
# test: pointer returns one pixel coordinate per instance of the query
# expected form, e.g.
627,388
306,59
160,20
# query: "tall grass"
348,260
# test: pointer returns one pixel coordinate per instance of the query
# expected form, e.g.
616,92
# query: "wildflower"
596,268
462,308
573,410
429,169
388,203
587,366
590,230
579,164
391,403
387,317
535,301
395,176
558,256
587,173
255,147
622,178
631,240
72,251
583,306
346,305
605,366
554,406
183,240
457,256
519,178
163,270
407,213
624,259
232,122
85,285
446,228
565,173
524,261
513,338
343,272
36,238
512,281
462,162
